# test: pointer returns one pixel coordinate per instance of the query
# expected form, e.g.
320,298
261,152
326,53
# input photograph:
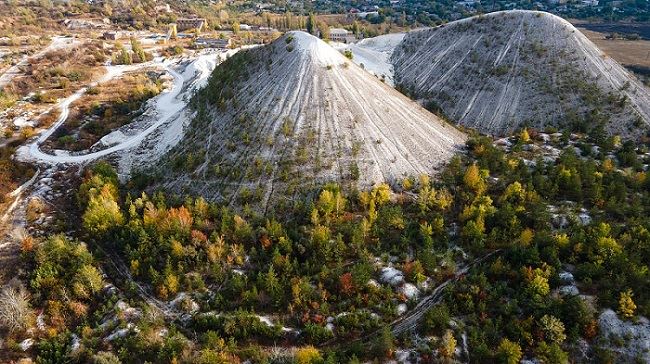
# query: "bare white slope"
502,70
300,114
374,54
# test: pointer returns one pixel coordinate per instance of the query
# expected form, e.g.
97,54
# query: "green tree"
448,345
54,350
88,281
138,51
272,283
311,23
436,319
473,179
509,352
385,343
551,354
626,306
308,355
324,30
123,57
103,213
553,329
105,357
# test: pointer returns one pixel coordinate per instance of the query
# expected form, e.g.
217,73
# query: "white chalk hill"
279,120
501,71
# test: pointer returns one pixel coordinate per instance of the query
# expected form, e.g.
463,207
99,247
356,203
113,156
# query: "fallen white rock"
392,276
634,335
401,309
410,291
26,344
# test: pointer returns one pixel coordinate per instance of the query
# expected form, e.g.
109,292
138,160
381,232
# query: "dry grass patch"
626,52
60,72
105,108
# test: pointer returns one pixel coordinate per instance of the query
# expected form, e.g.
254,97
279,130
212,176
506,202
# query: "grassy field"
633,54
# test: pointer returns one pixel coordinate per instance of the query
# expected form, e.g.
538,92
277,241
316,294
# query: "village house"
341,35
190,24
217,43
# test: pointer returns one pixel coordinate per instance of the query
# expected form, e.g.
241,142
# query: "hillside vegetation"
505,70
283,118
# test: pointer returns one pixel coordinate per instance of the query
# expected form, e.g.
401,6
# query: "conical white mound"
504,70
284,118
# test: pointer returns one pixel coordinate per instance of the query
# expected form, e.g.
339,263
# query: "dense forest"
331,280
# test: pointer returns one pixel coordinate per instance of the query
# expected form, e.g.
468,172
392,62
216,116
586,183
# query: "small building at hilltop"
190,24
341,35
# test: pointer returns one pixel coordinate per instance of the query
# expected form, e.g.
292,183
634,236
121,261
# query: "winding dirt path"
168,104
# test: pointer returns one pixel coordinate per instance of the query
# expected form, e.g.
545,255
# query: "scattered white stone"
373,283
584,218
109,289
76,343
122,332
26,344
529,163
570,290
504,142
129,313
22,122
181,299
40,321
392,276
410,291
635,335
545,137
559,221
529,361
121,305
566,277
426,284
403,356
266,320
401,309
549,159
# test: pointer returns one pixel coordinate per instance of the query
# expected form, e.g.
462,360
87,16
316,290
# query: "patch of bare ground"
104,108
59,72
